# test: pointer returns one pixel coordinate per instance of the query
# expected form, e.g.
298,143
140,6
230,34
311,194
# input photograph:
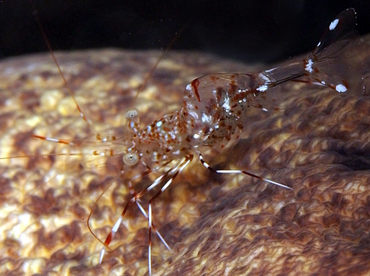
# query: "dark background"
254,31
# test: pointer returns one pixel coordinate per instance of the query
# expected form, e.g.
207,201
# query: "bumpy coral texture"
316,141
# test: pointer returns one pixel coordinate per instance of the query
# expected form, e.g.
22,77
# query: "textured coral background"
316,142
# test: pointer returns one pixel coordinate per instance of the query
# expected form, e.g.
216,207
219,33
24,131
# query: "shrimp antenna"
70,91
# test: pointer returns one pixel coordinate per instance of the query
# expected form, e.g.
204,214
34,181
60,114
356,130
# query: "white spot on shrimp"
52,139
270,70
264,77
116,225
226,104
262,88
333,24
340,88
159,123
308,66
206,118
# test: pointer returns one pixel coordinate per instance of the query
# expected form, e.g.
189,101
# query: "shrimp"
214,111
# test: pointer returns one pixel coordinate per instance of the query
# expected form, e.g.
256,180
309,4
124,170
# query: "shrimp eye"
130,158
132,114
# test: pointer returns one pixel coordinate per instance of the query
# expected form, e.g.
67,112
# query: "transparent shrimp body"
215,106
215,109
